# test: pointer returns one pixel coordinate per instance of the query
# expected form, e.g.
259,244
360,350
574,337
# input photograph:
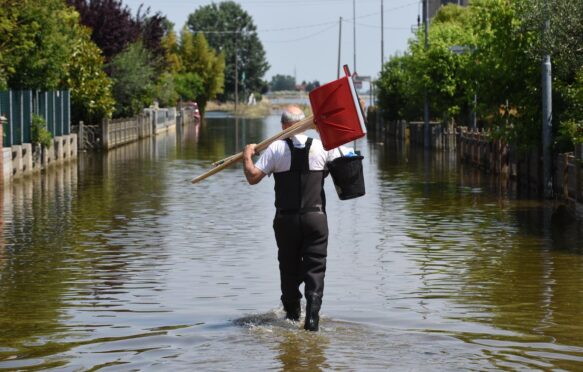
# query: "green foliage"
571,126
397,99
132,77
484,49
282,82
200,59
35,41
562,40
240,44
564,37
165,90
310,86
91,97
42,46
189,86
7,26
570,132
39,132
508,76
171,50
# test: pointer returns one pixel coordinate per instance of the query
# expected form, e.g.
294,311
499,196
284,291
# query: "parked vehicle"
192,106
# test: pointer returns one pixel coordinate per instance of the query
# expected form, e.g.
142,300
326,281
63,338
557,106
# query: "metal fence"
18,106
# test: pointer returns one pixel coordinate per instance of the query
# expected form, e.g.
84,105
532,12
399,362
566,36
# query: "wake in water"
275,320
272,319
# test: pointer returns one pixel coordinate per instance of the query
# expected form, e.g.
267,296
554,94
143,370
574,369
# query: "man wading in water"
300,224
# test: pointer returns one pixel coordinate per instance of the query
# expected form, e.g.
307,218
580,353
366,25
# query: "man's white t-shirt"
277,157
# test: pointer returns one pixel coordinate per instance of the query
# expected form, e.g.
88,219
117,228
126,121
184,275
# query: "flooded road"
119,263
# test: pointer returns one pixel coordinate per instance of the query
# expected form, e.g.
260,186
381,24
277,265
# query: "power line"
298,27
303,37
297,2
378,27
386,11
330,24
318,24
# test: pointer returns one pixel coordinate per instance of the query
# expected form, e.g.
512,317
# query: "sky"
300,37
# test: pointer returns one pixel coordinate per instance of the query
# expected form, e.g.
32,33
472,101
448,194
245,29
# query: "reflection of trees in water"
514,264
217,138
32,281
60,249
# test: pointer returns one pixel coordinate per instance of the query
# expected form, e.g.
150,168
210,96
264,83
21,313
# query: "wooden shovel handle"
299,127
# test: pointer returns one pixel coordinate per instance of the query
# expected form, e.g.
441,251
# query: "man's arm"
253,174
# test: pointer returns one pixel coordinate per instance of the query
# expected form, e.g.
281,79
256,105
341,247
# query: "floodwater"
117,262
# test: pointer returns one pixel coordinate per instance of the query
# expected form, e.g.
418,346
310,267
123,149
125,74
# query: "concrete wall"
479,149
7,161
123,131
22,160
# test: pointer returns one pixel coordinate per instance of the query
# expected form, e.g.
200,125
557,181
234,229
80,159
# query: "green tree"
282,82
232,31
44,47
562,40
34,42
171,49
165,90
132,77
312,85
484,48
189,86
7,27
200,59
91,97
397,99
564,37
509,78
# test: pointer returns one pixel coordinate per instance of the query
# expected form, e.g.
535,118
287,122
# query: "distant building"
434,5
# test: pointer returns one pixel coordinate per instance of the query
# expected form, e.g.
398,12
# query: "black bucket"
346,172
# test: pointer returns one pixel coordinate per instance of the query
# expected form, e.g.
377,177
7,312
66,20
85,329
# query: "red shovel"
338,117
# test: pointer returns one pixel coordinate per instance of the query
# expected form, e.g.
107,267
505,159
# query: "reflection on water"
118,261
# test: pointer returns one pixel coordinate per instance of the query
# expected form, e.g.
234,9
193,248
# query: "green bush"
569,133
40,134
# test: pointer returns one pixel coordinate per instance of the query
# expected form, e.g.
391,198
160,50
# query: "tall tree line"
492,49
114,62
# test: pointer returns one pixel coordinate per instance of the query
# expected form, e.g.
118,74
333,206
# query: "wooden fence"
118,132
569,178
477,147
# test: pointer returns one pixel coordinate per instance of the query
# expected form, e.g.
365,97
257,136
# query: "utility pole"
425,99
354,31
547,131
382,37
339,45
236,81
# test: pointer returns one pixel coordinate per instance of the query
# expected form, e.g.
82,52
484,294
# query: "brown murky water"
119,263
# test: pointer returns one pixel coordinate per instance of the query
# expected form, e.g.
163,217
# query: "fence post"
2,121
105,134
81,137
